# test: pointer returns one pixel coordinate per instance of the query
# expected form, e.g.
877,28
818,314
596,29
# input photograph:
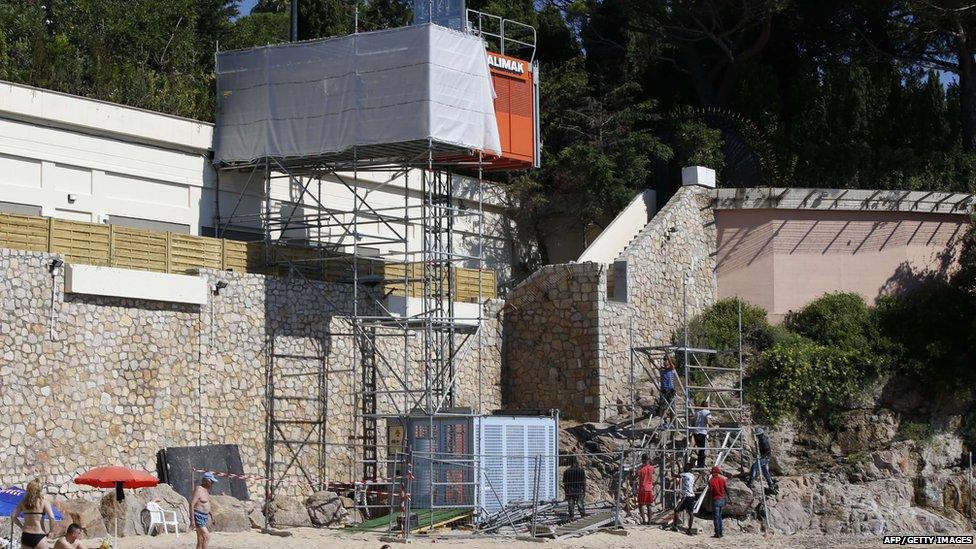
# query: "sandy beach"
636,537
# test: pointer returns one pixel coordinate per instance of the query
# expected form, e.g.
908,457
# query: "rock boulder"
325,508
287,511
133,518
229,514
84,513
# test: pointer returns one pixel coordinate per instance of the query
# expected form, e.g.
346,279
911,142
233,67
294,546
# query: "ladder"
762,488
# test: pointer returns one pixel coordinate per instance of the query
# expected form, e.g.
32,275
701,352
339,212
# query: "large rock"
901,460
255,513
325,508
133,518
941,452
287,511
84,513
229,514
170,500
740,501
865,430
832,505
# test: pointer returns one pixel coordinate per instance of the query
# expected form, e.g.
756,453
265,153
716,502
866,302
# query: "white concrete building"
75,158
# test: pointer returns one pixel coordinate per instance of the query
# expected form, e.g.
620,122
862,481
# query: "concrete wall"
622,230
122,378
781,259
568,339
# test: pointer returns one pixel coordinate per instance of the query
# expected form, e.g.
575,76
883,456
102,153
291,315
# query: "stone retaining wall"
122,378
679,242
552,330
568,341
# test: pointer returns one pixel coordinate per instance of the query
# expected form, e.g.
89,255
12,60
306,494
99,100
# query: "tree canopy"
830,93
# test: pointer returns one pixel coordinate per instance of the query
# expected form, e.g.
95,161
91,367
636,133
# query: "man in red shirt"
645,489
717,493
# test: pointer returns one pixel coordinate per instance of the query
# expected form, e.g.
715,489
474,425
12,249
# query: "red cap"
716,470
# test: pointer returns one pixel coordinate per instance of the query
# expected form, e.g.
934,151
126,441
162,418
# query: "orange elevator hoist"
516,83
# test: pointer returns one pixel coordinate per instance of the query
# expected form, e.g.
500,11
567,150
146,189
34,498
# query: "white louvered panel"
507,447
493,468
515,479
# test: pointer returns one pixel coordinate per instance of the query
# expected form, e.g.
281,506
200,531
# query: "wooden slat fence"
165,252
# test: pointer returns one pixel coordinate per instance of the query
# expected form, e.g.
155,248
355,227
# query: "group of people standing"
574,486
716,490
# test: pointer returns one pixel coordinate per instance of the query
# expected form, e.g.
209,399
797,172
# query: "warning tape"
361,487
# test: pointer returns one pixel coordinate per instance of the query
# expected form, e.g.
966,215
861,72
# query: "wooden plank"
80,242
235,256
139,249
188,252
21,232
125,247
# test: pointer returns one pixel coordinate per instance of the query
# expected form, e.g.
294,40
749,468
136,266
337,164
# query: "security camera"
55,266
219,285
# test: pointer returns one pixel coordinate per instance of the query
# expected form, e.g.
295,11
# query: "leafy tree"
258,29
707,41
696,144
598,152
939,34
325,18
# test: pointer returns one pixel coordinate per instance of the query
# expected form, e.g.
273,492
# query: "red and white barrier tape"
362,487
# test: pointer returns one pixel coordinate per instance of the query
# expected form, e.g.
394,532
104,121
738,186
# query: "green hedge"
800,378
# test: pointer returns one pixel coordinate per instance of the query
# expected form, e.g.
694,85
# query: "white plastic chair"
161,517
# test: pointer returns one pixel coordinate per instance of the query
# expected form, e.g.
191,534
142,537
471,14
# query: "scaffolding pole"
375,249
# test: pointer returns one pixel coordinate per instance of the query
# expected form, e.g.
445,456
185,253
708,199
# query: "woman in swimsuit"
34,507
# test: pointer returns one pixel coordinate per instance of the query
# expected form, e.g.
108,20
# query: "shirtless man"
200,509
71,539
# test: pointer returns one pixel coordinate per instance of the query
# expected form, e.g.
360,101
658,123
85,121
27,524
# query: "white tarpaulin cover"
323,97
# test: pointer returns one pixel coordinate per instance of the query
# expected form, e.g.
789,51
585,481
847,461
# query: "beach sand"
636,537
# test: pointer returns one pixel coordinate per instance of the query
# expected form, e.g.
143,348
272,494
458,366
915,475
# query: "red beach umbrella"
118,478
111,477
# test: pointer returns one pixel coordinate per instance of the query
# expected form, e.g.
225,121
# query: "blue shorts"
201,520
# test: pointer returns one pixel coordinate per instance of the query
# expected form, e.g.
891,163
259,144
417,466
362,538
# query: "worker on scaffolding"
762,462
667,389
703,419
645,489
686,480
574,486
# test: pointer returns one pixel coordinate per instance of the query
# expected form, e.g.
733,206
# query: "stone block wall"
120,378
552,330
568,344
672,257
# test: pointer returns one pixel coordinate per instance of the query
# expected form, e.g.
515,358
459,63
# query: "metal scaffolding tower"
392,267
370,248
705,380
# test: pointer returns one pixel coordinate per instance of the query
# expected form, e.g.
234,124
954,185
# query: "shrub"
933,331
913,430
840,320
718,328
800,378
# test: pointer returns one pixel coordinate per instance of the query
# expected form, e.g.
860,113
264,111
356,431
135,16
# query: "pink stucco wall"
781,259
